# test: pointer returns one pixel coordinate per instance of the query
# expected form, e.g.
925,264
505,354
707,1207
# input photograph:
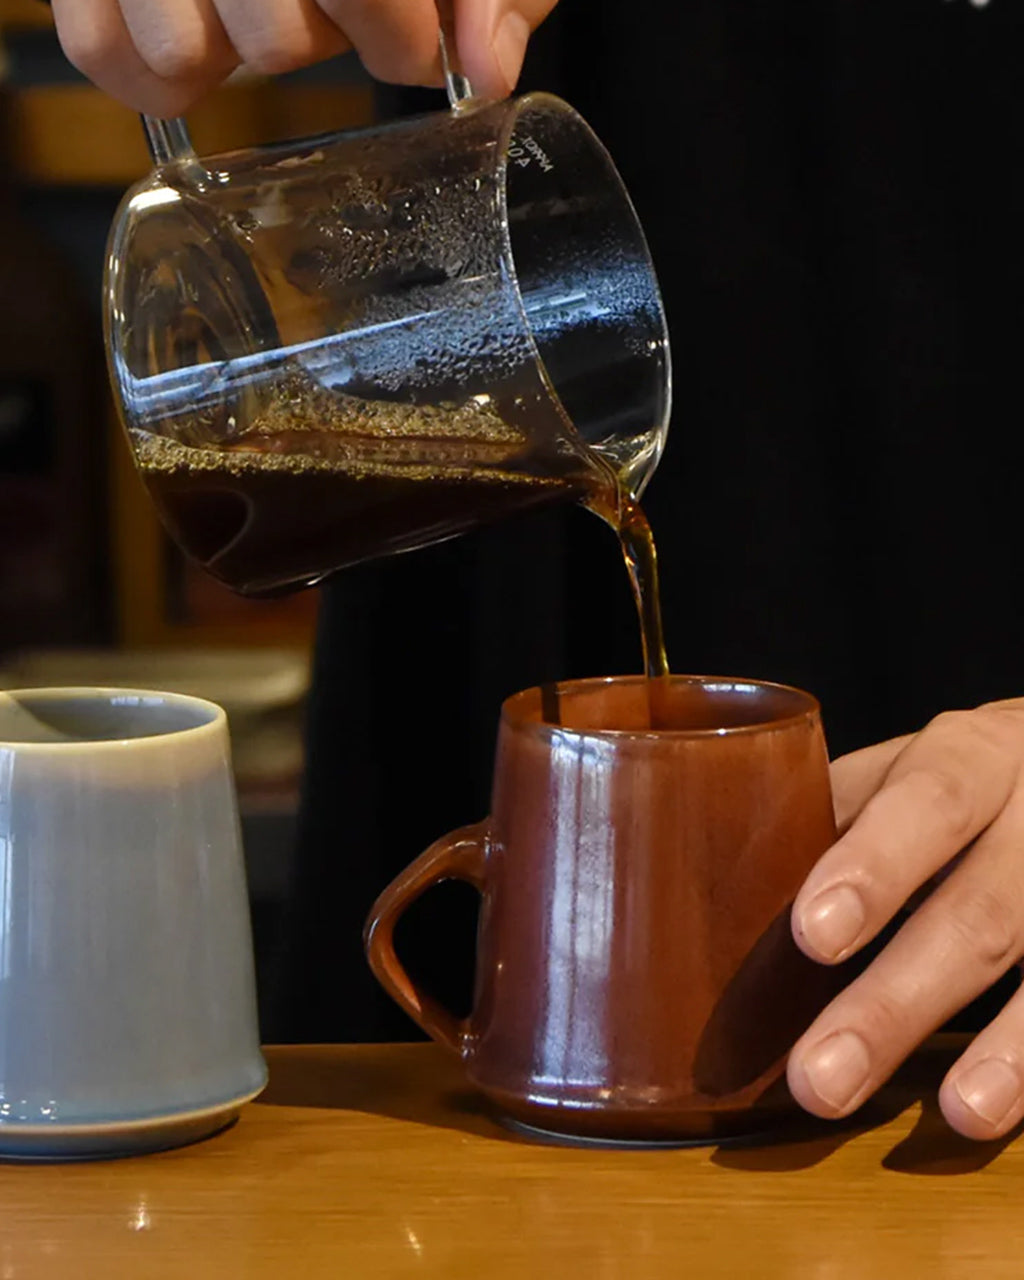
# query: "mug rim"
516,717
215,721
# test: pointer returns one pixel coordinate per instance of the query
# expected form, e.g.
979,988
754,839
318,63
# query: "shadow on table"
421,1084
418,1083
930,1149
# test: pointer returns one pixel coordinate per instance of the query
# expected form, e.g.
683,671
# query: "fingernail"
509,44
991,1088
832,921
837,1068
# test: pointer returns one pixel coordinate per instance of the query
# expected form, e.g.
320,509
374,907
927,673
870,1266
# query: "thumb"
508,46
492,38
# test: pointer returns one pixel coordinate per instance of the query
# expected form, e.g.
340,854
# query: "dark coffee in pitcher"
264,525
317,481
314,482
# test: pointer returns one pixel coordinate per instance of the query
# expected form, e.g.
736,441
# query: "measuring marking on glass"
523,151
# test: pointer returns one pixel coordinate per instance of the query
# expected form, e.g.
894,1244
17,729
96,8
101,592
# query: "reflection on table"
378,1161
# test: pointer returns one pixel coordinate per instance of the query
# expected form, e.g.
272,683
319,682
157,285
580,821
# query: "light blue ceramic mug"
127,994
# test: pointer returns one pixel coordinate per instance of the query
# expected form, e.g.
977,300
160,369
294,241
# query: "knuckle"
884,1020
950,724
948,795
998,726
990,726
1002,728
88,49
179,58
985,921
271,45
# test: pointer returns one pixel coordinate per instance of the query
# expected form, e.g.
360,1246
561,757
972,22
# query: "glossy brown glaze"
636,975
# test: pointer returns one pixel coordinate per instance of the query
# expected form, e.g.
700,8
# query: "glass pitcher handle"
460,91
168,140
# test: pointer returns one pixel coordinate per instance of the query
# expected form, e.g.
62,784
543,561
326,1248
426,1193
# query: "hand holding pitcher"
161,56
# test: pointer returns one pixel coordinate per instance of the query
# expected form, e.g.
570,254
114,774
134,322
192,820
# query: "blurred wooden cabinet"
69,135
73,135
24,15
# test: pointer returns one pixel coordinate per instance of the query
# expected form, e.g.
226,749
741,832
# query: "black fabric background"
833,197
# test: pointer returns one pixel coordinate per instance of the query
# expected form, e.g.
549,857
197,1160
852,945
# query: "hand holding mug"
942,810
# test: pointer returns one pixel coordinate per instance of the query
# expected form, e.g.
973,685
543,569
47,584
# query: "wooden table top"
376,1161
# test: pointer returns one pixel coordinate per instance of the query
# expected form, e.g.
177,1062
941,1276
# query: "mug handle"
458,856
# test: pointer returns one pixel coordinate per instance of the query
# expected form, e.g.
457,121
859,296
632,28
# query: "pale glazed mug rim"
214,719
519,711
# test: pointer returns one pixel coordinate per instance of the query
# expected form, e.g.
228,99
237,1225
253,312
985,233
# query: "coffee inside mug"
691,704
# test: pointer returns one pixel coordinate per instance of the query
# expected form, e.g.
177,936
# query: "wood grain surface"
377,1161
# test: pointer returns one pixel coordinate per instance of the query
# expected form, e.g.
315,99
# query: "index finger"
940,792
857,776
95,38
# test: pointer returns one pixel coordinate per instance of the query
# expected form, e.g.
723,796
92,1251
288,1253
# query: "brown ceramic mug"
636,977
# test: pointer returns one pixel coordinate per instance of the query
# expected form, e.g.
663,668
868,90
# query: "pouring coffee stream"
358,344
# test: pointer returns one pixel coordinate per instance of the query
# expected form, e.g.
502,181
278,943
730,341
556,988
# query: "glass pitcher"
366,342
